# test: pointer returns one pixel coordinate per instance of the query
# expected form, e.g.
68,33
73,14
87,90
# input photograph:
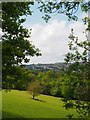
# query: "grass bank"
19,104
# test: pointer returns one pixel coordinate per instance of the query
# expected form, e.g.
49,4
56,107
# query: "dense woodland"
62,83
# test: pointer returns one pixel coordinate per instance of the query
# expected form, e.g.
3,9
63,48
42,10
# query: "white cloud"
52,39
83,15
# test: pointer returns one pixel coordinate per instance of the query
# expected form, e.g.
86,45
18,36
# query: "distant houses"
45,67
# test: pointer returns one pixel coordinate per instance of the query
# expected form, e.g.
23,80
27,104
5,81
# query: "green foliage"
79,86
15,80
56,87
66,8
15,45
69,9
50,81
81,90
29,77
34,89
68,84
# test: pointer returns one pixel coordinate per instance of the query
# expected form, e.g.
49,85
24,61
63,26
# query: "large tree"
78,79
16,47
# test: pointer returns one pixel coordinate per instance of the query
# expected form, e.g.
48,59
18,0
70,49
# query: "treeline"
49,80
65,84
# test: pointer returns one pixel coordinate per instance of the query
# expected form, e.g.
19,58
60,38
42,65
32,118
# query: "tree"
34,89
56,88
15,45
45,78
80,72
69,9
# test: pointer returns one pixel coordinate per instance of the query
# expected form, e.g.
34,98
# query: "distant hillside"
45,67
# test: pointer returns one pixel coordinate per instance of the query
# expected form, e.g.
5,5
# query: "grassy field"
0,105
19,104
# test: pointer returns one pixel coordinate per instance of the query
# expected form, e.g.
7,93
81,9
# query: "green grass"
19,104
0,105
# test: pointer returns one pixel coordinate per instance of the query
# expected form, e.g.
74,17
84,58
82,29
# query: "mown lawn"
0,105
19,104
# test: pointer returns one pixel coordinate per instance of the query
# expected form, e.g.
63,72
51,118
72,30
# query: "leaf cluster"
62,7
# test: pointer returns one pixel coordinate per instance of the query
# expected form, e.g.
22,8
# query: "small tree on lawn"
34,89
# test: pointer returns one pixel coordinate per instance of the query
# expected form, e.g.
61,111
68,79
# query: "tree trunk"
33,96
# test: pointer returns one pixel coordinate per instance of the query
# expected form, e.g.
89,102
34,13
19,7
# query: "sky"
52,37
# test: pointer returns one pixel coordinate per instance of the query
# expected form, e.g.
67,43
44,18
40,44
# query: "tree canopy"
34,89
16,48
70,9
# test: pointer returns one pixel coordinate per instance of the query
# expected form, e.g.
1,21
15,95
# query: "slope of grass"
19,104
0,105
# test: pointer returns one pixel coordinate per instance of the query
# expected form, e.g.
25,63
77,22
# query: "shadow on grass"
38,100
6,115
